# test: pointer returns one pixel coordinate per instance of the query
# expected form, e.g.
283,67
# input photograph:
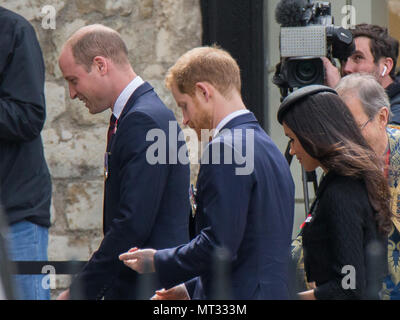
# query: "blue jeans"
28,242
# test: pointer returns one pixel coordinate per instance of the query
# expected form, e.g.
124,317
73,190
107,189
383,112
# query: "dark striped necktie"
111,128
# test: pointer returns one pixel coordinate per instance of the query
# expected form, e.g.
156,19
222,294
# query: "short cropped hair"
367,89
210,64
382,45
98,40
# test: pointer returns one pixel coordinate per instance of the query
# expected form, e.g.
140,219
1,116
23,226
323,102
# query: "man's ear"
204,90
383,116
388,63
100,64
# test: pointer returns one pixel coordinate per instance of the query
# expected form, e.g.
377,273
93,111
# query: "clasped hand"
142,261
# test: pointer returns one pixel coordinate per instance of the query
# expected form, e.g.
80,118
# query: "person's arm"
64,295
307,295
178,292
141,190
22,102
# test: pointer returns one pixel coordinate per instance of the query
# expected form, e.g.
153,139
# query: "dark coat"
393,91
25,184
343,234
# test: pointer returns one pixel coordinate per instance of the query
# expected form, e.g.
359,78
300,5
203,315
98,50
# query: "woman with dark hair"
350,216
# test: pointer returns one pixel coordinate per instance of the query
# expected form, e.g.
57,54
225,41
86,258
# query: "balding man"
145,204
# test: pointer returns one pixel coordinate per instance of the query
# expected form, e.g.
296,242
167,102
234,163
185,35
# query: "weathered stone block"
31,9
55,102
164,45
81,116
146,9
120,7
64,248
95,243
88,6
140,39
84,205
83,155
60,35
105,7
154,71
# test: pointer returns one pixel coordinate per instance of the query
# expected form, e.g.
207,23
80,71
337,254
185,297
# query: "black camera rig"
307,34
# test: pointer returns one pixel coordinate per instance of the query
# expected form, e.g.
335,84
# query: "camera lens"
303,71
306,71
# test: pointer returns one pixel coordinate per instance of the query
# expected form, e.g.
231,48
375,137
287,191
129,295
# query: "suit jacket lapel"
144,88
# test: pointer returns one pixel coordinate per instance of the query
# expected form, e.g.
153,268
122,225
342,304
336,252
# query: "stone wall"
156,32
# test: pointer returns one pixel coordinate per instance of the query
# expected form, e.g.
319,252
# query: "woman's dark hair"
328,132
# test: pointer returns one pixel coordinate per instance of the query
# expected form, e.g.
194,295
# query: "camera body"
305,39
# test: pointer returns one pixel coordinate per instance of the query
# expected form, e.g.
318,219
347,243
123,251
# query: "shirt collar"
125,95
228,118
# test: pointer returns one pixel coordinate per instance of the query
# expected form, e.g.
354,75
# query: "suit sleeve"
22,103
225,199
141,189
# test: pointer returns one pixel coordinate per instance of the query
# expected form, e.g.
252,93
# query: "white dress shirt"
228,118
125,95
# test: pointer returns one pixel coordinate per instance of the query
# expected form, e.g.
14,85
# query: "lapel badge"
106,165
192,198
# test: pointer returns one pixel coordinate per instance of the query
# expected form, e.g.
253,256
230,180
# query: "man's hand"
332,74
64,295
178,292
306,295
142,261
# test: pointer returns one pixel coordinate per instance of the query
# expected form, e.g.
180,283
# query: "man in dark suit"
145,204
245,194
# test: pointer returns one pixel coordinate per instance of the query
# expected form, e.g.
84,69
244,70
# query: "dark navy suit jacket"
250,215
145,205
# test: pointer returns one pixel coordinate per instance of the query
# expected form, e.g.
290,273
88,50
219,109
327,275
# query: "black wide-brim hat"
299,94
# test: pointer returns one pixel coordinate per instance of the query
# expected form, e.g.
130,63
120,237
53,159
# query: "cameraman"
375,53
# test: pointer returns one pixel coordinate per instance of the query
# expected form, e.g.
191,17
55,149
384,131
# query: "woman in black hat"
344,235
